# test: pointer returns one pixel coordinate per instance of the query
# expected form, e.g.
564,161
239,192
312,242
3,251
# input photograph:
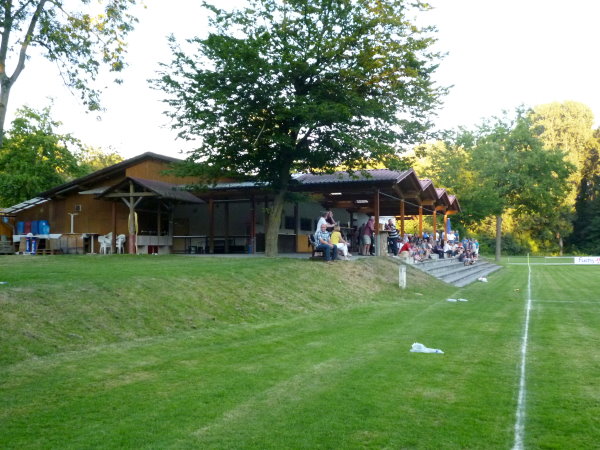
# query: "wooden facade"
142,200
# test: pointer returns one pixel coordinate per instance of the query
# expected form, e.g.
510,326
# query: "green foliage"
502,166
35,158
293,86
284,86
92,159
586,227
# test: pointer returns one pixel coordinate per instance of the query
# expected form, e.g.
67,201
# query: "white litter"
451,300
463,300
483,279
420,348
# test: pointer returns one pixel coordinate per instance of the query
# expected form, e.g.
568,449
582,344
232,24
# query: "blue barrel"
44,227
20,227
35,226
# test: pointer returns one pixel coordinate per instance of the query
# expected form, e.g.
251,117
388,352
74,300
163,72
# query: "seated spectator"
438,249
340,242
323,239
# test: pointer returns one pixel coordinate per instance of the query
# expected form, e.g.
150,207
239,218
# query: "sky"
500,55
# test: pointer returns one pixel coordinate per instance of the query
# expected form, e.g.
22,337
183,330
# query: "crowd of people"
332,242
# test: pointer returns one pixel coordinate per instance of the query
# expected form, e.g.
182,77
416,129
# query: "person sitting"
340,242
323,239
438,249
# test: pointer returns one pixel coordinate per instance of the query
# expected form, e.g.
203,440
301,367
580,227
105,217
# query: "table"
91,236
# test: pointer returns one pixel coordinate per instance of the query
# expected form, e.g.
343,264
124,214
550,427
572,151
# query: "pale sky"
501,54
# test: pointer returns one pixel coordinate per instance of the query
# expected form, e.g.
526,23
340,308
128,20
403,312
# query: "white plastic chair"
105,243
120,243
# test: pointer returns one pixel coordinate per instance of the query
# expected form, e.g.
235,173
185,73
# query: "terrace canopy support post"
445,227
226,227
376,225
252,225
211,226
434,224
402,218
421,221
158,224
113,226
132,245
296,224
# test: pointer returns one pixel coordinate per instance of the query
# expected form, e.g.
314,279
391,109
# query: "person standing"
393,235
367,235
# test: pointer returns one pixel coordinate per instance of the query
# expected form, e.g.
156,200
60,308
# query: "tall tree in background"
301,85
34,158
78,40
92,159
586,227
568,126
501,167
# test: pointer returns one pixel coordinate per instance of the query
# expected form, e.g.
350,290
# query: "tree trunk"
4,94
498,237
274,222
560,245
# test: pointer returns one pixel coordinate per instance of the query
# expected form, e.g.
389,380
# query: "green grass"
176,352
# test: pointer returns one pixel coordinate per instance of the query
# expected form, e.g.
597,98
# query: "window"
306,224
290,223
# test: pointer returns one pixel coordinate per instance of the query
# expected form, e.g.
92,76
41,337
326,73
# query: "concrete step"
452,271
470,274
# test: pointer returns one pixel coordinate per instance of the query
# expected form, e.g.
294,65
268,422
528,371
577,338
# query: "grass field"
185,352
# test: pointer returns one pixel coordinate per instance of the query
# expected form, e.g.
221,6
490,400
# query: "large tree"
299,85
78,35
499,168
568,126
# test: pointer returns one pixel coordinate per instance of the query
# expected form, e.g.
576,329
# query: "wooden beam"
130,194
402,218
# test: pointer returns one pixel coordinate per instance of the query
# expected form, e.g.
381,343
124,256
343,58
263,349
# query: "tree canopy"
80,37
302,85
502,166
35,157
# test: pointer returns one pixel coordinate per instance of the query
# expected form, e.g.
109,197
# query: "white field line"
520,414
597,302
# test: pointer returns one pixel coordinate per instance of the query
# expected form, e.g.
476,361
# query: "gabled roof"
367,176
106,173
160,189
24,205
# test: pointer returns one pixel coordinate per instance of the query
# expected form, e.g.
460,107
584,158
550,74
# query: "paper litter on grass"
463,300
420,348
451,300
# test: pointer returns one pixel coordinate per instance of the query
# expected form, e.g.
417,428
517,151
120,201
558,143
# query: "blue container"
20,227
44,227
35,226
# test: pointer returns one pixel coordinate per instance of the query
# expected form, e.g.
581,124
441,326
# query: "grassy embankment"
184,352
